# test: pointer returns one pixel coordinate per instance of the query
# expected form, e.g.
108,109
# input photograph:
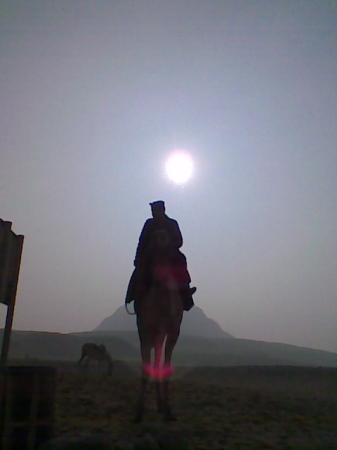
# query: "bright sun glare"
179,167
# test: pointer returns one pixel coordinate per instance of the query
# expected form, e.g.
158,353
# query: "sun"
179,167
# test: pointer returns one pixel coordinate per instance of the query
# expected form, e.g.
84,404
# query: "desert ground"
252,407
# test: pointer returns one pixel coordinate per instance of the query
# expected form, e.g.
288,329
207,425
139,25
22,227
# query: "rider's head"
158,208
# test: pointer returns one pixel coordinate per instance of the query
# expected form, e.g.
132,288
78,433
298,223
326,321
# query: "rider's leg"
186,296
185,291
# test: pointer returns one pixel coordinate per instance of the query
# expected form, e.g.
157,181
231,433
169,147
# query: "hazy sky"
94,96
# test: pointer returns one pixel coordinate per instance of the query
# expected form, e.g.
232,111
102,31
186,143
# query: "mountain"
189,351
195,323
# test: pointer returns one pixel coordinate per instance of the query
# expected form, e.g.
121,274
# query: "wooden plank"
10,260
5,230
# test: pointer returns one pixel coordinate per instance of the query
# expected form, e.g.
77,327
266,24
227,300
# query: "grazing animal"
159,317
91,351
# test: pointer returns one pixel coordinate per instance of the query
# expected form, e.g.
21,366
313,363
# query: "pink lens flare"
158,372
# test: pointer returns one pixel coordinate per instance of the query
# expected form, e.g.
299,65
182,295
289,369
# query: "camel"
159,316
91,351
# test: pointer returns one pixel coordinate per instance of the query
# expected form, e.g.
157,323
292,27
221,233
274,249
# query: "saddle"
143,286
164,271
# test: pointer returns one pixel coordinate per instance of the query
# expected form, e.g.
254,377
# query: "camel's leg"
171,341
146,360
99,362
140,406
159,395
168,415
110,365
81,358
156,365
170,344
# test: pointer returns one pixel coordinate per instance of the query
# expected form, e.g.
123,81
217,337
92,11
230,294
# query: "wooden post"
10,260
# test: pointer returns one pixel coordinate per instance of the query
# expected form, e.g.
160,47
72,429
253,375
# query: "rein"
127,310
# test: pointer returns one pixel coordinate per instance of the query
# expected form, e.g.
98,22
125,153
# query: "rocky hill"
195,323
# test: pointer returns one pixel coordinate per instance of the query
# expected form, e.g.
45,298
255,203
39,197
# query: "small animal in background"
97,352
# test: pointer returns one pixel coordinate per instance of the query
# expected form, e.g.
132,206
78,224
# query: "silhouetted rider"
141,278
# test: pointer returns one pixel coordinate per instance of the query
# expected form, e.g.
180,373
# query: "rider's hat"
160,203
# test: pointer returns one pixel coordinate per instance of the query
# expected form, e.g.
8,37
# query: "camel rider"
140,279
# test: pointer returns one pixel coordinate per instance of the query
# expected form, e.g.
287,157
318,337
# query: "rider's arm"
176,234
144,241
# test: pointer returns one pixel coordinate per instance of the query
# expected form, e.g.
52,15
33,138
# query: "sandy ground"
225,408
